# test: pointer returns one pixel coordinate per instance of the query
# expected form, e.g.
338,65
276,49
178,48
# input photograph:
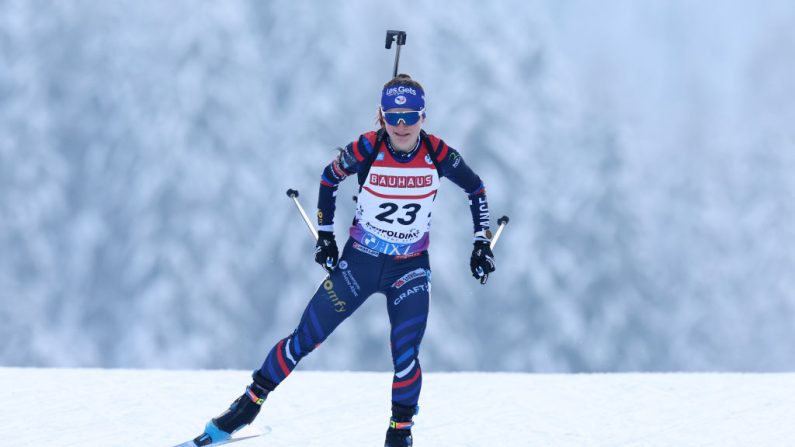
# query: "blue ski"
247,433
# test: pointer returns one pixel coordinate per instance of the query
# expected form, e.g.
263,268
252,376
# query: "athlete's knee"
404,354
406,345
301,343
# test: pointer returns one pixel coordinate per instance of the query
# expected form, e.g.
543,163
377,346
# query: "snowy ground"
93,408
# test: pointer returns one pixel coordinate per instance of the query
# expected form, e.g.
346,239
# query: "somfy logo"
339,305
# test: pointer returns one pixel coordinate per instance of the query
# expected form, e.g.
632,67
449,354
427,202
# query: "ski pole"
293,194
398,37
502,221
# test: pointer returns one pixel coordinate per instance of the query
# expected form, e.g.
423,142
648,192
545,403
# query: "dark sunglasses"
409,118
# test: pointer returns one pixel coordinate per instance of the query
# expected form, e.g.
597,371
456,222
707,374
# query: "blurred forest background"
641,150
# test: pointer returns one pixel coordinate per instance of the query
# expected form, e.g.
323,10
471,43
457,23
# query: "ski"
246,433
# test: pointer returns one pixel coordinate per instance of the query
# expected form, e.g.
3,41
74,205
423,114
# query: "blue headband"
403,96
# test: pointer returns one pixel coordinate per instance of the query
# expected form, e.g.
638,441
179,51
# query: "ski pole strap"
400,425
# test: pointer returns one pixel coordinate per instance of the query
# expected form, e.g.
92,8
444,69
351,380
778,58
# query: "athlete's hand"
482,261
326,253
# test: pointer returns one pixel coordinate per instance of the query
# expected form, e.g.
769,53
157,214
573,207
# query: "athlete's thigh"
408,303
340,293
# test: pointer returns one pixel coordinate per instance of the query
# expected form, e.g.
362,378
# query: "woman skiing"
399,168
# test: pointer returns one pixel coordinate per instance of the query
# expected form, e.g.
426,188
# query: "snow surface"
95,407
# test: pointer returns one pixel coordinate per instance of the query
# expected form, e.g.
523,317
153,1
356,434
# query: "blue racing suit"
386,252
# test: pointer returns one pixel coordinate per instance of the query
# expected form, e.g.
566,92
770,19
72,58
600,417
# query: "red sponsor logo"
401,181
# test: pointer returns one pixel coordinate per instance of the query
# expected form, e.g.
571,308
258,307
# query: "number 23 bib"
393,212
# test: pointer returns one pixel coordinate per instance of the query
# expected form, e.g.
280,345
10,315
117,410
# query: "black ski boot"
242,412
399,432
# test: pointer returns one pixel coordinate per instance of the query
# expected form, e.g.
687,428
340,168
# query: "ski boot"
242,412
399,432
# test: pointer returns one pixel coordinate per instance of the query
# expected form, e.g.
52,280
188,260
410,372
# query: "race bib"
393,211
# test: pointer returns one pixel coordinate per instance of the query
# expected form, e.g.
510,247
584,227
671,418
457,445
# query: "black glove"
482,261
326,253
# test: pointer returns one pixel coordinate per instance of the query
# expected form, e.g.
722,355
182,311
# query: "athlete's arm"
348,161
453,166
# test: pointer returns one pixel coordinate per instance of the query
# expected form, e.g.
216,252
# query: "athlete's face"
402,136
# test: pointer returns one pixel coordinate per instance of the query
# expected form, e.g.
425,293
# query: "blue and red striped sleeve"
347,161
